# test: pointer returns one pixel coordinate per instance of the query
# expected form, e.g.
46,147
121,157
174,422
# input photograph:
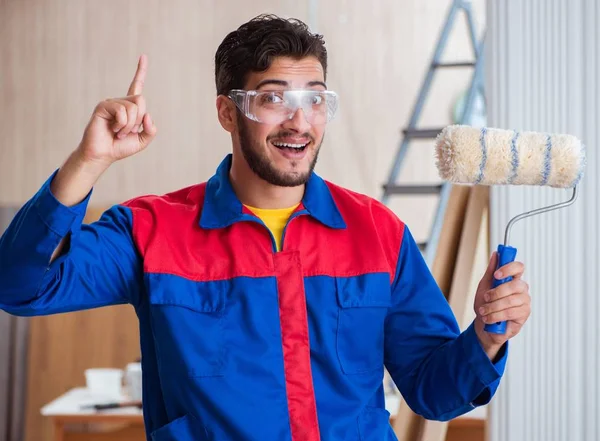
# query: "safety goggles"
275,107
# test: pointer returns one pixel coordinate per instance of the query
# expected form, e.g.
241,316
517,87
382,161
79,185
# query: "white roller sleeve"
488,156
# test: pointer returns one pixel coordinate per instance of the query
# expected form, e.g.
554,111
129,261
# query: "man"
270,301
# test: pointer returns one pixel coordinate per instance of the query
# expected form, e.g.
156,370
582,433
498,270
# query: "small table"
72,423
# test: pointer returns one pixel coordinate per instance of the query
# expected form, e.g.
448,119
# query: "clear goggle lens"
275,107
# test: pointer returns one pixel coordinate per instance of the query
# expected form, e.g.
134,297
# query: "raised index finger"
140,76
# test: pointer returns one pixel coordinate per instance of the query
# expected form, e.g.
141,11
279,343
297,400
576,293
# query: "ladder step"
422,133
412,189
455,64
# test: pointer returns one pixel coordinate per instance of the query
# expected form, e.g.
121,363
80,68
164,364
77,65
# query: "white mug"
133,381
106,382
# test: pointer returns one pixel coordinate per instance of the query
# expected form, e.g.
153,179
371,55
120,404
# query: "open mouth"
286,146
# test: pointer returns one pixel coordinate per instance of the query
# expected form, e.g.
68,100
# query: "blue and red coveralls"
239,342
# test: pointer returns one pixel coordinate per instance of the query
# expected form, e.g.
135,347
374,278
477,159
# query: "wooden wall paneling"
59,59
70,58
407,424
472,258
449,241
474,242
462,258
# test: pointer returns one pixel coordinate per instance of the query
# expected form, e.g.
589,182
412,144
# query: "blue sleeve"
99,265
440,372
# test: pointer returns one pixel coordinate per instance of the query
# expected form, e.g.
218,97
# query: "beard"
264,168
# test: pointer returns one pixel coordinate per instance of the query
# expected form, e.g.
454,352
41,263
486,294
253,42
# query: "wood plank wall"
60,58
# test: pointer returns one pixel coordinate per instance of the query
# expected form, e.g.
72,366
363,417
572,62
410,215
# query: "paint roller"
489,156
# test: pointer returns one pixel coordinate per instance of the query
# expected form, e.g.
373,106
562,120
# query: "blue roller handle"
506,255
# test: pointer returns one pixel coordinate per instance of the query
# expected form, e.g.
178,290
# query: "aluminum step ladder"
412,132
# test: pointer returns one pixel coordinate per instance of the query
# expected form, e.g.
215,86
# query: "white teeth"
285,144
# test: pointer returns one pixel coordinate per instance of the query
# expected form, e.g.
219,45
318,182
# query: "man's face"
262,145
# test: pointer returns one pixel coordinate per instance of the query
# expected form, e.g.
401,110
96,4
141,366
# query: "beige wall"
60,57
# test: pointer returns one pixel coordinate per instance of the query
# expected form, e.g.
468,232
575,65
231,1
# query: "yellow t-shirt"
275,220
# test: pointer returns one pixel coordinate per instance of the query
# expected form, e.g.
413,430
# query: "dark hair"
254,45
